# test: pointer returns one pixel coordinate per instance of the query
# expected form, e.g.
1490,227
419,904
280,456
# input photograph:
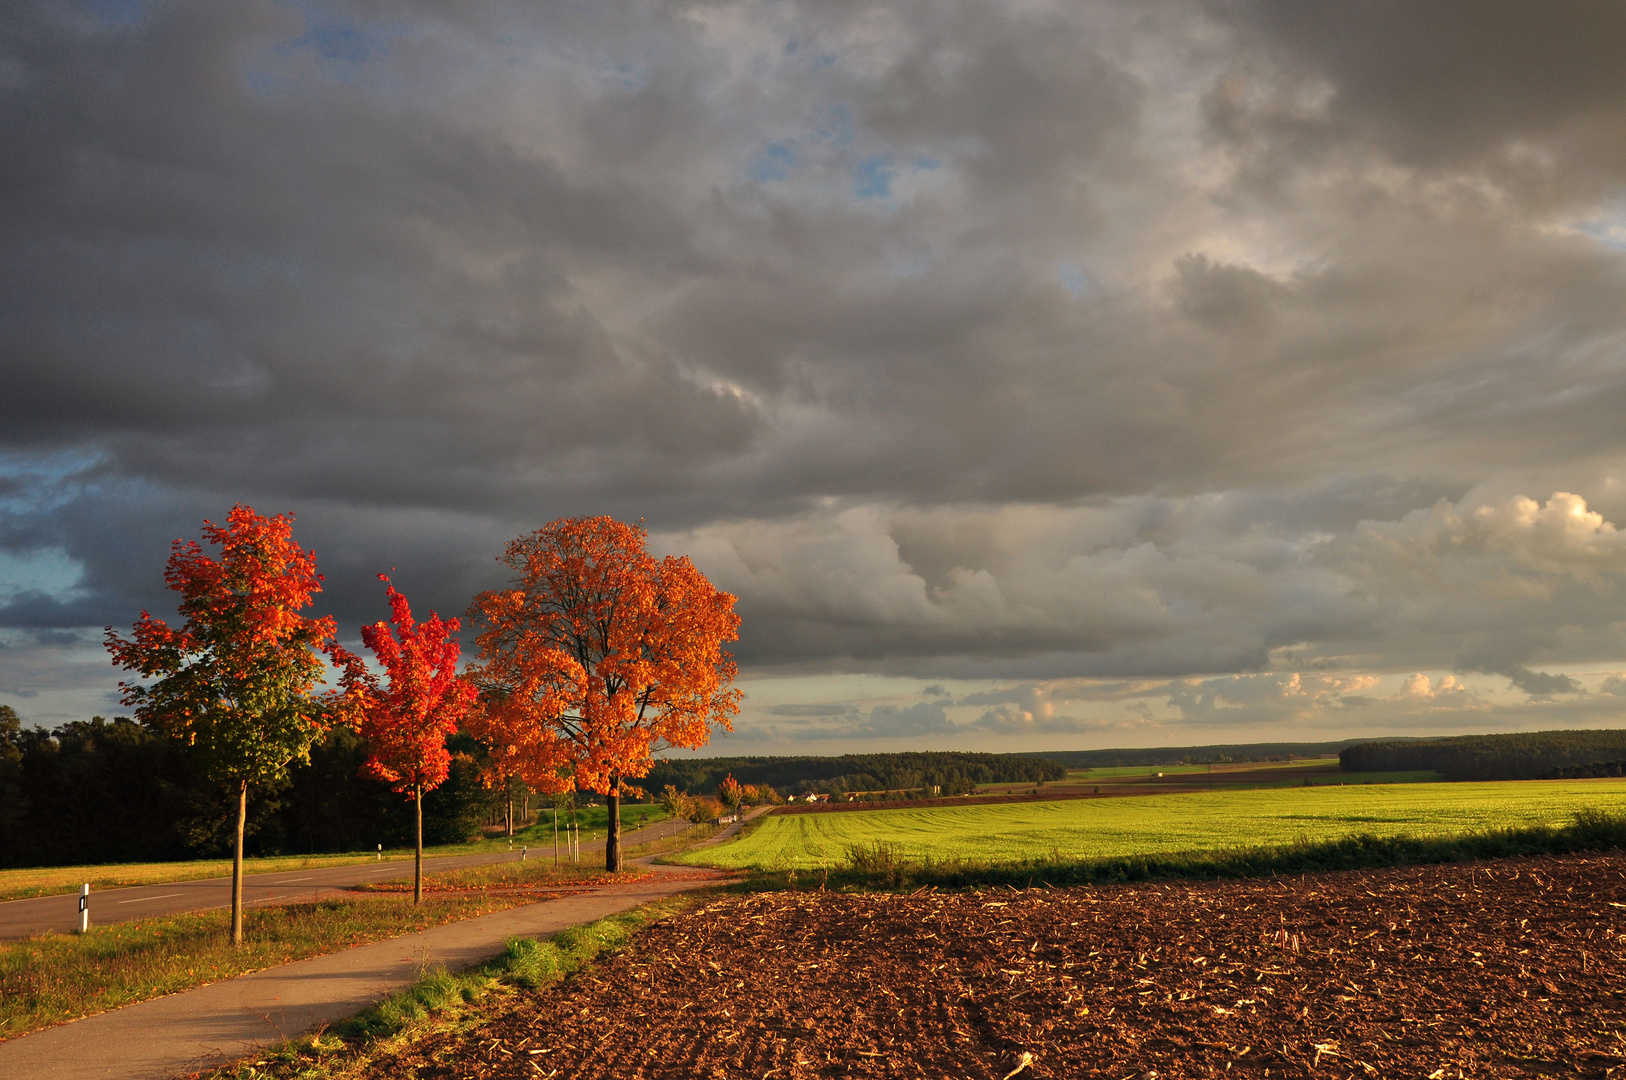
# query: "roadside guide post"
84,907
380,852
523,852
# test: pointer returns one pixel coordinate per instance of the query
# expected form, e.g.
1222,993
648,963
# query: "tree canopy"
407,719
599,656
235,680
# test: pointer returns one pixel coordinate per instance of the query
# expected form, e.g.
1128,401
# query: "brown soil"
1505,969
972,800
1110,788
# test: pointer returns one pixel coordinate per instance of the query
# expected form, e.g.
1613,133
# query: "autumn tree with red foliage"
234,681
406,722
599,656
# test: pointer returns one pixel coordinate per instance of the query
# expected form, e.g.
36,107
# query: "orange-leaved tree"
599,656
730,793
406,722
235,680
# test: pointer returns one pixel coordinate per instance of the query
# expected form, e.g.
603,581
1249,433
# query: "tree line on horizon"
954,772
105,791
110,791
1523,755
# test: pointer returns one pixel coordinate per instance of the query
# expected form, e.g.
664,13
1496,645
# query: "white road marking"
290,881
144,899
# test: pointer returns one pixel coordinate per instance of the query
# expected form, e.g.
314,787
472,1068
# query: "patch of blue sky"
818,62
1074,279
1607,228
836,125
49,570
345,49
36,483
117,12
775,162
624,76
872,177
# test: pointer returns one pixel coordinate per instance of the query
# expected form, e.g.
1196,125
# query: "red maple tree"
599,656
406,720
234,681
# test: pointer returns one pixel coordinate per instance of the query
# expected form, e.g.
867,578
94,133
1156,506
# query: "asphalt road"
181,1034
22,918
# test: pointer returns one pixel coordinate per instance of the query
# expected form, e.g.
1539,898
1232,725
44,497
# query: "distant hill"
1194,755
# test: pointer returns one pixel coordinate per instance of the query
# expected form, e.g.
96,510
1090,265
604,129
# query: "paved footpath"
211,1025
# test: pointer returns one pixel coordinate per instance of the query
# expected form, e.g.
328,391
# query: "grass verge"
26,882
531,874
880,866
55,977
50,880
682,840
443,1000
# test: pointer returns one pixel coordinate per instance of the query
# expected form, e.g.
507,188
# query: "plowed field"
1490,970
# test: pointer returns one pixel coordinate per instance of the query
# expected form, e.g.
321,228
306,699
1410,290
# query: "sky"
1038,375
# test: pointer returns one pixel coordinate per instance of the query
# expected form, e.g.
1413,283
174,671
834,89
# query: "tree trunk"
237,866
612,835
417,860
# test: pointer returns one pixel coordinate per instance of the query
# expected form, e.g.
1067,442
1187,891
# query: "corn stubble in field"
1481,970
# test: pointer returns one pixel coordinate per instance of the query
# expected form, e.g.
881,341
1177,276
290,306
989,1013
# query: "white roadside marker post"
380,852
84,907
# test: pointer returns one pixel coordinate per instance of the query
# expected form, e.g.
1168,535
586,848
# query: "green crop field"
1079,828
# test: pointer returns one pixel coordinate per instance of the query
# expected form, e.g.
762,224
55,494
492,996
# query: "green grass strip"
55,977
443,999
880,866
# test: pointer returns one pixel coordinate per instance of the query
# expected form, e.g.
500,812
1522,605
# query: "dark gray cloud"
1002,341
1445,85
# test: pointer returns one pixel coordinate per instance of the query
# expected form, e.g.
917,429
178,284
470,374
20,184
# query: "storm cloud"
1220,340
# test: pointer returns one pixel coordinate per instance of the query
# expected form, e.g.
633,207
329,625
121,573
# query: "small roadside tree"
599,656
234,681
730,793
406,721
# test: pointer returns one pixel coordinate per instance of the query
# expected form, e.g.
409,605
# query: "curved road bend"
22,918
